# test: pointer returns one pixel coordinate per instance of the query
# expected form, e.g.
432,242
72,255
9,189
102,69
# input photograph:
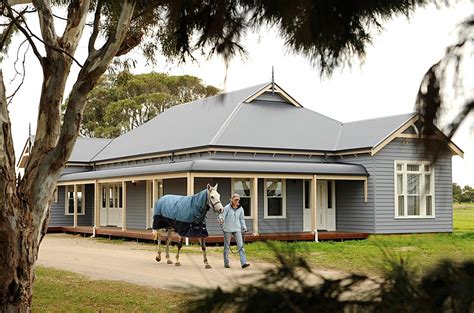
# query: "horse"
186,216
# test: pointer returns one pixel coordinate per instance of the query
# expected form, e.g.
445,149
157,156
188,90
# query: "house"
297,171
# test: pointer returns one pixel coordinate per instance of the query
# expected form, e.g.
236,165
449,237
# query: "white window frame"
422,195
265,202
81,210
251,186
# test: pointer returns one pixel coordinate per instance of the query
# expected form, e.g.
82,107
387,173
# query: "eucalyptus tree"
329,33
121,102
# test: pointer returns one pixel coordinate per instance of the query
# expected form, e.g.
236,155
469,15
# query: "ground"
101,259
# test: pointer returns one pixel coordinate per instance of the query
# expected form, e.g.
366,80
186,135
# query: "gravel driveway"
135,263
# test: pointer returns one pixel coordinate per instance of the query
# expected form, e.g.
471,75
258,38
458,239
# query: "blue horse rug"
185,214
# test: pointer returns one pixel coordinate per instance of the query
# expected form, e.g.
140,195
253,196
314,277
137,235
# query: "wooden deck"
138,234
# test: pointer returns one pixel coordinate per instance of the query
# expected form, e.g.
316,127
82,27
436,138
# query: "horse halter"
210,201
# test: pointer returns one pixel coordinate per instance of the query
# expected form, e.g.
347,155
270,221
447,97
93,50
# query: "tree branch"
25,32
95,65
76,19
95,30
46,20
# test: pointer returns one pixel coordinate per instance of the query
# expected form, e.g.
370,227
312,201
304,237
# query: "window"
414,189
242,186
80,196
307,194
275,205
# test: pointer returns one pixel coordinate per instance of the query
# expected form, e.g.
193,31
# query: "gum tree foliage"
121,102
330,33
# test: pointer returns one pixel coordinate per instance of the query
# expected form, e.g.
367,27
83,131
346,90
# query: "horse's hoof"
208,266
177,264
169,262
158,259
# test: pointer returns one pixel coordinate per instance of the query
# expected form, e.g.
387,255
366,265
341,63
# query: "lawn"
367,257
61,291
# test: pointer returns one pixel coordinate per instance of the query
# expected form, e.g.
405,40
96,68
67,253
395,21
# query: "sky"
384,83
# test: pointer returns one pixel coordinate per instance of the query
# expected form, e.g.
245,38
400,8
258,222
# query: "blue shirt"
233,219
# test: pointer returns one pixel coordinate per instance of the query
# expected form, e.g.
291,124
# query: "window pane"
428,184
71,202
399,167
274,188
242,187
427,168
413,205
413,184
104,197
111,197
119,194
79,201
413,167
429,205
306,194
401,205
246,205
399,184
275,207
329,195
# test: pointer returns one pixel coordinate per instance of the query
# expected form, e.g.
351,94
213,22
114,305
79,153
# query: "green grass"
61,291
367,256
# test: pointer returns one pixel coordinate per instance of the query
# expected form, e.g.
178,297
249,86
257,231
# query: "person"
233,223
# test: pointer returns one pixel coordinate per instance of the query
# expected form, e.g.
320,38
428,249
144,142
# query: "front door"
111,207
322,204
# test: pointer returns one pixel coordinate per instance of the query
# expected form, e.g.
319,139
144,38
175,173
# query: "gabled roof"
368,133
258,117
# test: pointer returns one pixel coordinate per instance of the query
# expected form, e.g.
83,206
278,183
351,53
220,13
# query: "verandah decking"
113,232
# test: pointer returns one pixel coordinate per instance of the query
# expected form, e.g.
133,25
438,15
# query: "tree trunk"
25,207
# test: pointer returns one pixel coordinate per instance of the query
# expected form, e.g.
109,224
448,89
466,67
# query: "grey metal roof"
368,133
266,122
188,125
86,148
213,165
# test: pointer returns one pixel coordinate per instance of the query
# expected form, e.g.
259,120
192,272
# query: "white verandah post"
124,205
254,199
314,206
75,205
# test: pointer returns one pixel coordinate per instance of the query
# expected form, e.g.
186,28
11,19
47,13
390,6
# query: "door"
306,205
322,204
111,206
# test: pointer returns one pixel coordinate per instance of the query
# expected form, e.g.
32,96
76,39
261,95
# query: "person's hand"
220,220
244,230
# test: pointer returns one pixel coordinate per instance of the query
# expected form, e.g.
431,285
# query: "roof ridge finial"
273,82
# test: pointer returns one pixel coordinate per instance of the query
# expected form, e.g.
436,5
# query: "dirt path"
135,263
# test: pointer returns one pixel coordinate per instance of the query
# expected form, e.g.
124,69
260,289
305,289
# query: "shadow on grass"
292,286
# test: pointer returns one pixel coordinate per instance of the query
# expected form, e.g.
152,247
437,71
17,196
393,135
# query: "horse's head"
214,199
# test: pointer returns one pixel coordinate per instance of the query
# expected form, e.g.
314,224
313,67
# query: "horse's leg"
203,248
157,237
168,241
180,244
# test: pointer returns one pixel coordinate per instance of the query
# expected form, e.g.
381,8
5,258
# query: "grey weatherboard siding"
385,207
352,213
294,210
136,205
58,216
